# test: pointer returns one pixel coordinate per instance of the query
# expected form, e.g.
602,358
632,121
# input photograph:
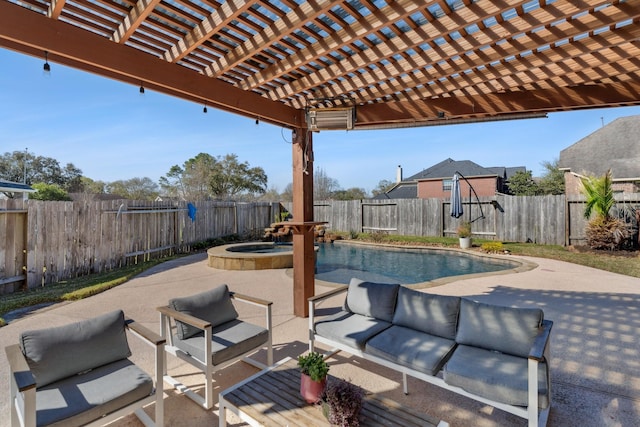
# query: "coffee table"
272,398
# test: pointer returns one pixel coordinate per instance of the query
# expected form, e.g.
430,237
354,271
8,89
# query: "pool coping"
523,264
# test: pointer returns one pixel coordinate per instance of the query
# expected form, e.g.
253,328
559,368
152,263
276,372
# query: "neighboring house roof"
15,187
402,190
447,168
408,187
616,146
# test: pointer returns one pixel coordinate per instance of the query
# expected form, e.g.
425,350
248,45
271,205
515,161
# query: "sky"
111,132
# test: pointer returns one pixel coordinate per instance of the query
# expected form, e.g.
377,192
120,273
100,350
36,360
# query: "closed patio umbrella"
456,197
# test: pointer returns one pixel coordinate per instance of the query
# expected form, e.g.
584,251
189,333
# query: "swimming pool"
338,263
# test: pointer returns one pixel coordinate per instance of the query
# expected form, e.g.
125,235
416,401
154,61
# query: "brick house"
615,146
436,180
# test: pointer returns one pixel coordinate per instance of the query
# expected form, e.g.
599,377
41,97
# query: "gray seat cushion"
432,314
59,352
350,329
496,376
230,340
504,329
214,306
413,349
372,299
80,399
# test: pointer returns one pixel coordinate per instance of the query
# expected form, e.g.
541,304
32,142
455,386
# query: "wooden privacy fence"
45,242
551,220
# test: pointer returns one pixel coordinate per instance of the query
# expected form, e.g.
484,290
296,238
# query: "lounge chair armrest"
249,299
184,318
145,333
328,294
19,368
541,341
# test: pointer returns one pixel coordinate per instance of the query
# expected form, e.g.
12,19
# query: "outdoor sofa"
496,355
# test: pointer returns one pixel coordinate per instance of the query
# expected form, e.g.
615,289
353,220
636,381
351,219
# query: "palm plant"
604,231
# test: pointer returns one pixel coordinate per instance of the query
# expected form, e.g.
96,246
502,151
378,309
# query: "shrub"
342,402
492,247
379,236
353,234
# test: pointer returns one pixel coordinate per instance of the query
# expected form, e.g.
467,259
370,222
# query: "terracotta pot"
311,390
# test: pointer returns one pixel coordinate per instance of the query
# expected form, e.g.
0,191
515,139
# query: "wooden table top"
272,398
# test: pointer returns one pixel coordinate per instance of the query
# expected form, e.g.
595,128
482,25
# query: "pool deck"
595,340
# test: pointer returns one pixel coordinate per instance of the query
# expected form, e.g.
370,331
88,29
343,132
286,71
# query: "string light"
141,89
46,67
204,110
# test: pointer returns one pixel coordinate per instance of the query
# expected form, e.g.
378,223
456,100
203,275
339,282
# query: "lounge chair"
80,374
204,330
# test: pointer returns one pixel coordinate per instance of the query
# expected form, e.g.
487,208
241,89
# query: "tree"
522,184
323,185
22,166
603,231
350,194
48,192
230,178
287,193
134,188
204,177
383,186
552,182
90,186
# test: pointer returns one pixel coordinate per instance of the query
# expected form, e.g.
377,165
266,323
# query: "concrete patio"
595,340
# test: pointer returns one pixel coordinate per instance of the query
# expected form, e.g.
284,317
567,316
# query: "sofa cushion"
213,306
432,314
372,299
230,340
492,327
80,399
63,351
350,329
496,376
413,349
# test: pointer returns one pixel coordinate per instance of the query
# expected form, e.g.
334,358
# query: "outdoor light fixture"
46,67
257,121
204,110
141,89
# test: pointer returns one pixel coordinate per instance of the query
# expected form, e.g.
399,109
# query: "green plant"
604,231
282,216
342,402
464,229
313,365
492,247
353,234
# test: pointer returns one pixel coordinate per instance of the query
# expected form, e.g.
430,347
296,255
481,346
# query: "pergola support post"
303,236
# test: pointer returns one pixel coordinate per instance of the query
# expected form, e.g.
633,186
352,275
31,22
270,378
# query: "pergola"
350,64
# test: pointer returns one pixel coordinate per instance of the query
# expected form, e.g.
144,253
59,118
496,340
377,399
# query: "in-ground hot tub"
251,256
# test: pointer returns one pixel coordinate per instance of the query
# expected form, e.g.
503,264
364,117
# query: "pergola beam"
33,34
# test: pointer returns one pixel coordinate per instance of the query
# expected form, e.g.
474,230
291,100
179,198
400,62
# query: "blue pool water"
338,263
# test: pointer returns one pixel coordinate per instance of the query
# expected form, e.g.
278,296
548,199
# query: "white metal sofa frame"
23,385
169,316
539,352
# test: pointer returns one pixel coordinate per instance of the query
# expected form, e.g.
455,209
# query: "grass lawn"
627,263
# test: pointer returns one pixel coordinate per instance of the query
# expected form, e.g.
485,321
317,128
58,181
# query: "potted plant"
313,376
341,403
464,234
